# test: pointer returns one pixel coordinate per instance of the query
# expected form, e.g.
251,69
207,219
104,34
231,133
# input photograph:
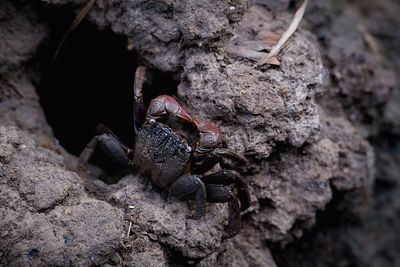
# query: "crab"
175,150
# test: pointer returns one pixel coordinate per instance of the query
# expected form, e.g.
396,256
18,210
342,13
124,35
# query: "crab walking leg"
208,149
188,185
219,194
207,162
210,137
102,129
229,154
109,143
227,177
139,109
219,155
164,105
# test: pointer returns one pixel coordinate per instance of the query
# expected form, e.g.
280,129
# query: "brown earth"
320,131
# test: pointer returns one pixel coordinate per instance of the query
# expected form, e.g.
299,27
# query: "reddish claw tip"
162,105
172,106
207,127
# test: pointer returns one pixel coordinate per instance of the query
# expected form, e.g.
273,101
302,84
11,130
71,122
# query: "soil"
319,128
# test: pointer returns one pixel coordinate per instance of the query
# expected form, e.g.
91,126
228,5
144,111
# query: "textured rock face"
360,80
160,30
165,221
296,183
21,32
353,233
275,110
262,103
303,151
270,107
47,217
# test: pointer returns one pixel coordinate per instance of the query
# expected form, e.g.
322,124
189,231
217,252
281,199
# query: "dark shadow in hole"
91,83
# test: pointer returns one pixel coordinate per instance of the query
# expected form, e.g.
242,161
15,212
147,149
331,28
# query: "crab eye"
210,140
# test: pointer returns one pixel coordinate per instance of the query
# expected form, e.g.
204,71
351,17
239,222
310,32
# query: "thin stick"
129,228
369,39
78,19
286,35
16,88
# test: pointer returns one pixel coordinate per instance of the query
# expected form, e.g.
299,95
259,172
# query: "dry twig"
78,19
14,86
129,229
285,36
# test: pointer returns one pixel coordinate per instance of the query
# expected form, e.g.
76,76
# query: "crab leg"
219,194
227,177
217,190
110,144
229,154
210,137
187,185
139,109
226,157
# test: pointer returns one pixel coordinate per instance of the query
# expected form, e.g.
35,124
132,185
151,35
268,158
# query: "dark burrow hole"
91,82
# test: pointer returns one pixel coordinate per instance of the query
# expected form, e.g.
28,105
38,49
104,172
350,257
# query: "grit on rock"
319,127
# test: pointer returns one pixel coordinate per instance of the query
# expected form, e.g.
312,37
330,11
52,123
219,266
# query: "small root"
298,16
15,86
129,229
78,19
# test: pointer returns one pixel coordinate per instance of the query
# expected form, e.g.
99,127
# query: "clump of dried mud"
316,129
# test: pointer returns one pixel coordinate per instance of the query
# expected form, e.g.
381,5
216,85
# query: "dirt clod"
317,129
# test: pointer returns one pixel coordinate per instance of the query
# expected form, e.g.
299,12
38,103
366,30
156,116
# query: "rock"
257,109
309,156
21,32
166,221
243,250
47,217
356,156
360,82
160,31
142,251
292,187
355,228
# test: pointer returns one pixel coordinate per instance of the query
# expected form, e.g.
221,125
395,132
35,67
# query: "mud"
319,129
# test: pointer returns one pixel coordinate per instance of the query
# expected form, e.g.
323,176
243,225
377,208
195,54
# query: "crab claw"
210,136
163,105
206,127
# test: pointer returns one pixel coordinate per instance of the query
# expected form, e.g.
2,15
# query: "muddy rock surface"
229,90
21,32
361,80
160,30
167,223
47,217
310,123
353,230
